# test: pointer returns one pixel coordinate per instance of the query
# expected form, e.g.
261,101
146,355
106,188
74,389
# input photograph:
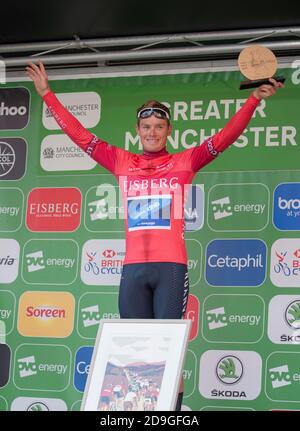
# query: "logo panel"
59,153
102,262
284,319
102,205
194,251
42,367
5,355
229,374
238,207
233,318
46,314
50,261
7,311
53,209
82,367
95,306
286,215
11,209
85,106
13,153
236,262
9,260
192,313
194,208
33,404
283,376
14,108
285,262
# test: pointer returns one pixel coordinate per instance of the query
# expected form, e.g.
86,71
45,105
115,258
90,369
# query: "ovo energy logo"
229,370
280,376
46,314
238,207
283,376
221,208
90,316
27,367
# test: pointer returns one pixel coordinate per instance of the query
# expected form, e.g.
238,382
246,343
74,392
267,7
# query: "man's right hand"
39,77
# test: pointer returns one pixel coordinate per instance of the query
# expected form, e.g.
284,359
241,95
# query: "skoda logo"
292,314
229,370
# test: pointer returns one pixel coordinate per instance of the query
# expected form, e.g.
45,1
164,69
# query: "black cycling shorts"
153,290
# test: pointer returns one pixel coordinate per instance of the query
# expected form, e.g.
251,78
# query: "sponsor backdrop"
62,241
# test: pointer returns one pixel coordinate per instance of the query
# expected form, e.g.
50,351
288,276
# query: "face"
153,133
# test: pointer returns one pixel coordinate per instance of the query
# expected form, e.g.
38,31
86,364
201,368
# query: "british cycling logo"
285,262
286,215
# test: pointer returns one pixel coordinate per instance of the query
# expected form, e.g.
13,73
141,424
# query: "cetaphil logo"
292,315
280,376
285,263
82,367
229,370
27,366
14,108
236,262
194,208
286,214
216,318
90,316
35,261
221,208
53,209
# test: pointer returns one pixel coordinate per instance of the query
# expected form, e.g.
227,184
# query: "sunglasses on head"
157,112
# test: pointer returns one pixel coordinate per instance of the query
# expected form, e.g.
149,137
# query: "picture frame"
136,365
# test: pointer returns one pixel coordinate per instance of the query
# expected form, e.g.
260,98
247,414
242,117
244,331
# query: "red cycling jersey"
154,189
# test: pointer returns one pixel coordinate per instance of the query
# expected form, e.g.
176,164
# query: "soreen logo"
236,262
46,314
53,209
286,214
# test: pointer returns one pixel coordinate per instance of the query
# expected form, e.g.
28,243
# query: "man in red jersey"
154,282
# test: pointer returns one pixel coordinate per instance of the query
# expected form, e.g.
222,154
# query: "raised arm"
213,146
100,151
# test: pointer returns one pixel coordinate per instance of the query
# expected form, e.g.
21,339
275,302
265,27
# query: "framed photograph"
136,365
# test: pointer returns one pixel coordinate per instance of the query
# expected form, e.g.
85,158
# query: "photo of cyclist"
154,282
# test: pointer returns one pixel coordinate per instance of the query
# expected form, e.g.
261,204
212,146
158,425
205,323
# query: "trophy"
258,64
